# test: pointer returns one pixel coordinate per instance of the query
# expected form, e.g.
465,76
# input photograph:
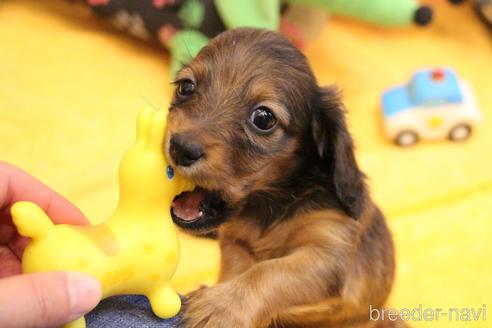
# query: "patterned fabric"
128,311
160,19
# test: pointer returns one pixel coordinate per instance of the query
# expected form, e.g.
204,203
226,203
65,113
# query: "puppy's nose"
184,151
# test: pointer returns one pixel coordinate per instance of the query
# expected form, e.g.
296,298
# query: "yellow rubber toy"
136,251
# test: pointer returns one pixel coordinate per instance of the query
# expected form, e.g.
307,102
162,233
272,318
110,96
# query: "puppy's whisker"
150,103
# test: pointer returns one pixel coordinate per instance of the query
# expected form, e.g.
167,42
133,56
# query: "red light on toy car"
437,75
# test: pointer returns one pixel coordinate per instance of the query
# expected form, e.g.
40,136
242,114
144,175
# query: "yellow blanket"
70,89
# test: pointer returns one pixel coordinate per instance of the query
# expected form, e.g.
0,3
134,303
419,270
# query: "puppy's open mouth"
200,210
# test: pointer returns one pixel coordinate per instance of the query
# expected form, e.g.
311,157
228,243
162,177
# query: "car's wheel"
460,132
406,138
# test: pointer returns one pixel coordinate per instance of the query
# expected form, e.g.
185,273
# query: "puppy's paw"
216,307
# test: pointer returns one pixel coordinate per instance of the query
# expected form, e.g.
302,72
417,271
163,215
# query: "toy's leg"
30,219
165,302
79,323
183,47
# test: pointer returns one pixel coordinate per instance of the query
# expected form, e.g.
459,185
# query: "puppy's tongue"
187,205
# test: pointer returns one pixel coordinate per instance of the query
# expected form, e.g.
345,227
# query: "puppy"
302,243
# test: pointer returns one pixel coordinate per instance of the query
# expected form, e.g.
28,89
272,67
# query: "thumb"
46,299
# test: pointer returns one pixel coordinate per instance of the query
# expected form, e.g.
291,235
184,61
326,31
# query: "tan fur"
280,275
314,254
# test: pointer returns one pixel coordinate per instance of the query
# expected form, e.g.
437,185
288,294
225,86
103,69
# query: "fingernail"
84,293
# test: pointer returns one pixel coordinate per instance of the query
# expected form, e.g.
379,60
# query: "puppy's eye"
263,118
185,88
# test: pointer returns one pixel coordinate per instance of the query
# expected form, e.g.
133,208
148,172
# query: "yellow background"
70,89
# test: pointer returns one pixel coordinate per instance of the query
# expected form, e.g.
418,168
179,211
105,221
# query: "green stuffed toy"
381,12
185,26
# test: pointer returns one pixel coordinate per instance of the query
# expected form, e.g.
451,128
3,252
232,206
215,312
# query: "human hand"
42,299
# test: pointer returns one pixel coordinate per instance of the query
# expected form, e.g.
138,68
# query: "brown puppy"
302,243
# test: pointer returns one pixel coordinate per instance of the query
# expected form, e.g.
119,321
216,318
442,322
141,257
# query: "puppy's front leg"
235,259
307,275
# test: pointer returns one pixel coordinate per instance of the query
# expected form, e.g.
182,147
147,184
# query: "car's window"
433,102
434,88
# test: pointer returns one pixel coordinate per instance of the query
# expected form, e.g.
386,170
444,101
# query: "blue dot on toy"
169,172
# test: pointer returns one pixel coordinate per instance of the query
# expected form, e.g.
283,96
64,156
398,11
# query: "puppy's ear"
336,151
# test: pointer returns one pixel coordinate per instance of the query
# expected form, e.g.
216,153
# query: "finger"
10,263
17,245
46,299
7,229
16,185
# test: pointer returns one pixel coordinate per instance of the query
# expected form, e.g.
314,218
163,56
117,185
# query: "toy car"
435,104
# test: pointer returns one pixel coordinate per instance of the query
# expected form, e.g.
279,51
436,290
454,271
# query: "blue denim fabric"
128,311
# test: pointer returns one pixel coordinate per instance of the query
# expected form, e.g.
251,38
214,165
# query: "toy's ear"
336,151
